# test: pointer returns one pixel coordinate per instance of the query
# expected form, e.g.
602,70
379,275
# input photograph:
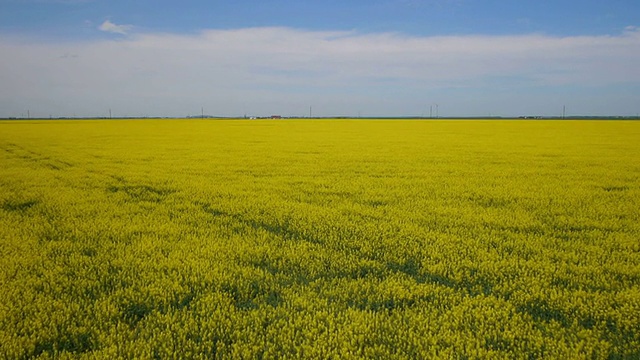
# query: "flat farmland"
462,239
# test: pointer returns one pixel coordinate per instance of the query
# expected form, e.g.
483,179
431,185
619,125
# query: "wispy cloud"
632,29
282,69
108,26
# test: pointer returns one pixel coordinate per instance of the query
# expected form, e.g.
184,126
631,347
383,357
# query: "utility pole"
564,110
202,112
437,111
309,111
110,114
28,114
431,111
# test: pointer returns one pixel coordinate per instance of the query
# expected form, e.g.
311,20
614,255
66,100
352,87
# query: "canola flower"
319,239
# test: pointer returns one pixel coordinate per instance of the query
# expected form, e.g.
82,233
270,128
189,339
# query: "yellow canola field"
319,239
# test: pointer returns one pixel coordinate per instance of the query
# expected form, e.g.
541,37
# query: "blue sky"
368,58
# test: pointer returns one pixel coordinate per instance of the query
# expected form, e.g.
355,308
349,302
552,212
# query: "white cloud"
108,26
632,29
283,70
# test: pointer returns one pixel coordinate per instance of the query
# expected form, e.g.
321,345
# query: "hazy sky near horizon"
342,58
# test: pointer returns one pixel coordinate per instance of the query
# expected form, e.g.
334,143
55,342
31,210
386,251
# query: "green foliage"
319,239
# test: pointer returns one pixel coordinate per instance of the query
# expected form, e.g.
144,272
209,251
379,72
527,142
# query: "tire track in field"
131,190
38,159
374,266
285,230
411,266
